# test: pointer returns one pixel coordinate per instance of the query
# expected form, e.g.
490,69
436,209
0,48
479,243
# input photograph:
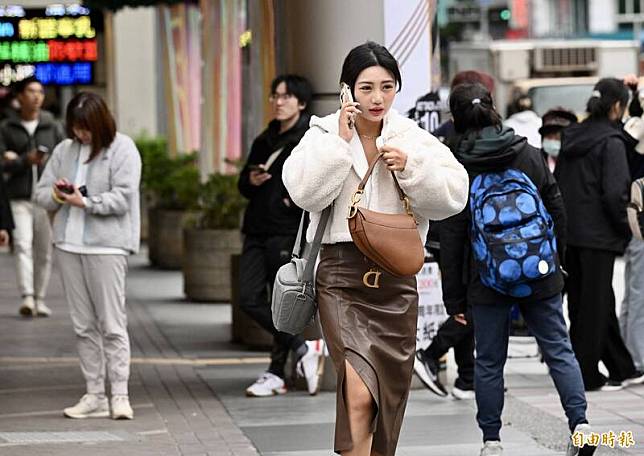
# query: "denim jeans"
631,318
491,331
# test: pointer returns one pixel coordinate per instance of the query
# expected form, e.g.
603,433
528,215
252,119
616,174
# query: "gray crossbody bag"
294,302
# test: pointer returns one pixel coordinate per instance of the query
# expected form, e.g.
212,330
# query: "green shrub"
168,182
220,203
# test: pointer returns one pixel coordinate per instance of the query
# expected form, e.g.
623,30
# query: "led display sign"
57,44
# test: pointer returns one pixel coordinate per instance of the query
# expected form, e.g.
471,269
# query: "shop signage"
57,44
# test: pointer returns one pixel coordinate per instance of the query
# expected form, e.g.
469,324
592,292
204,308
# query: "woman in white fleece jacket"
370,332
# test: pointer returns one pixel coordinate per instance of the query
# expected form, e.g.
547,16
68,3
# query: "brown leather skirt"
374,329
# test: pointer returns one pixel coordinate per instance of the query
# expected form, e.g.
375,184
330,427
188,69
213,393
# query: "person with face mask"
553,123
593,174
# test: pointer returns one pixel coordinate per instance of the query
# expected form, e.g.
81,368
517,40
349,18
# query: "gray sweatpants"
95,292
631,318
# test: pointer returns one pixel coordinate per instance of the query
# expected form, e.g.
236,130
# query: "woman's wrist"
56,198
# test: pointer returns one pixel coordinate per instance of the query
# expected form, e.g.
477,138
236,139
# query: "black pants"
261,257
461,337
594,331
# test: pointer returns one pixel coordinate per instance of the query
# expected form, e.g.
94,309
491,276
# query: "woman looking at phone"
91,184
370,332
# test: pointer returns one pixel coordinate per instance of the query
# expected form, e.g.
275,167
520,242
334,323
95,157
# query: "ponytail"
472,108
606,93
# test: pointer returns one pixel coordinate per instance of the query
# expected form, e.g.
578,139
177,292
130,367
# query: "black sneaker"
427,370
636,379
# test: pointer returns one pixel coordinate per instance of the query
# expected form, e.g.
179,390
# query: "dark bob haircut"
606,93
297,86
88,111
365,56
472,108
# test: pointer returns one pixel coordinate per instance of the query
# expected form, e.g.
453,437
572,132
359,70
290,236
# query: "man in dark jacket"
592,171
26,141
270,226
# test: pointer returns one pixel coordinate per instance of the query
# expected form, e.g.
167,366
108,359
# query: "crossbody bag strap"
298,247
315,246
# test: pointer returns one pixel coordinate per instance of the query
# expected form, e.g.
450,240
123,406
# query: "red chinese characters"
72,51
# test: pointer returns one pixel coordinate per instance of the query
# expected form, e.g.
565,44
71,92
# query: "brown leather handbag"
391,241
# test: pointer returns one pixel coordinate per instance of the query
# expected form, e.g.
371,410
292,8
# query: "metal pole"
485,21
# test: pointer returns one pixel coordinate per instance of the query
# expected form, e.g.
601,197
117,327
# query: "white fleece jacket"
324,169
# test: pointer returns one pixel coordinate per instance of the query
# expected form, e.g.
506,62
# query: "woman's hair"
473,77
606,93
472,108
297,86
88,111
365,56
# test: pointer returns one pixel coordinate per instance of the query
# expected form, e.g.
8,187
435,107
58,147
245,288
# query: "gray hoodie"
112,213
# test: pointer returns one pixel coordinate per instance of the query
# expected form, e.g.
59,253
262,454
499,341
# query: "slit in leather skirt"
374,329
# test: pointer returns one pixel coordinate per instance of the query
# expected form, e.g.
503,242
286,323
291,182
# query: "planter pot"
165,237
206,263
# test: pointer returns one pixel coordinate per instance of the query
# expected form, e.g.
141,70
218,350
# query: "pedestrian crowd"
520,213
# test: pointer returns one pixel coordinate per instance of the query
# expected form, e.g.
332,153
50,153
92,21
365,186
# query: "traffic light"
505,14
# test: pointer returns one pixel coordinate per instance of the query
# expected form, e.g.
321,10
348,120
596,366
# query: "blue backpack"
512,233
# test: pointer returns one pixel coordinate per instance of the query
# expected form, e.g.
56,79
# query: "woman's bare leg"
360,408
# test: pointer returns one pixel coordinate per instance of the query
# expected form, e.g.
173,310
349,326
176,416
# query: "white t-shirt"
75,227
30,126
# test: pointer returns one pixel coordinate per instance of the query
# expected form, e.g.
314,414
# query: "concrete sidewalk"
187,391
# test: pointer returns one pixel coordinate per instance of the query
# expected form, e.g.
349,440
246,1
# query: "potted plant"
171,190
212,239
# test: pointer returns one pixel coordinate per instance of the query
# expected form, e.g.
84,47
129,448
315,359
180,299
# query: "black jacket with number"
14,137
270,209
493,150
592,171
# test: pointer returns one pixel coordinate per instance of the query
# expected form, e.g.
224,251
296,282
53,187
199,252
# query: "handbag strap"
367,175
357,196
315,246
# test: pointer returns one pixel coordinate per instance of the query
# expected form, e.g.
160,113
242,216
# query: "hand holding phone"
257,168
258,174
65,188
348,112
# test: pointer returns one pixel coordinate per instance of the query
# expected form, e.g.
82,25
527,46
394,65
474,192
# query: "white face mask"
551,147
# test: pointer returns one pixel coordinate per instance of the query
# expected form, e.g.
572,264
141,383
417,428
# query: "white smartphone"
346,97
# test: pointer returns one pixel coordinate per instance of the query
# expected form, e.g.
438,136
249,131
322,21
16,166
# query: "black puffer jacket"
494,150
592,171
14,137
270,209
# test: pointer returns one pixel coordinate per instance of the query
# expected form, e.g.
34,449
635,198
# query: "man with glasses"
270,226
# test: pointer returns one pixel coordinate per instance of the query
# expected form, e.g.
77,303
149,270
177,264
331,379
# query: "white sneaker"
463,395
311,365
586,450
266,385
41,309
492,448
28,307
89,406
121,409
